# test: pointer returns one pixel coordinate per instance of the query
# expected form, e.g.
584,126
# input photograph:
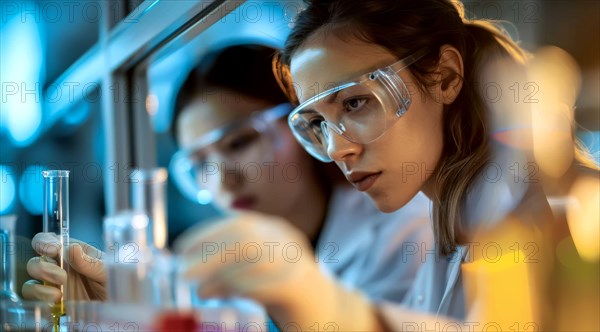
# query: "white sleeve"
373,252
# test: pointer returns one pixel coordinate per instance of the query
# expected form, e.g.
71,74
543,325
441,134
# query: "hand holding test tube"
62,256
87,276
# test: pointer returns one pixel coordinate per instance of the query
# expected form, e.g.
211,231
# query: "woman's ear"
450,72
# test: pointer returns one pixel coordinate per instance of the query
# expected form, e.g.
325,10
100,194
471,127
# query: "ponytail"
406,26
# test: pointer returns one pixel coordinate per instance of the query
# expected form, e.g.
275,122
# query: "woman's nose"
231,175
224,174
339,148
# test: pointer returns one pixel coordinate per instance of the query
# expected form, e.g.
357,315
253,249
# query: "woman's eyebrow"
332,97
328,99
307,111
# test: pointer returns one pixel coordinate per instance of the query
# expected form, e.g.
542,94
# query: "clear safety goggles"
361,110
199,168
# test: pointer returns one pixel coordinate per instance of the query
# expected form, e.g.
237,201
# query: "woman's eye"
241,141
315,122
198,159
354,104
238,144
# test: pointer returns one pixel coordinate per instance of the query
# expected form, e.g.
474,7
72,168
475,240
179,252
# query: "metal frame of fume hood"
118,63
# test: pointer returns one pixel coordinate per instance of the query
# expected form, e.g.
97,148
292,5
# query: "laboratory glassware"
56,220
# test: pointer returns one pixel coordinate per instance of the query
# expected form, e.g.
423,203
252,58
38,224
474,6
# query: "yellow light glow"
583,217
557,79
499,291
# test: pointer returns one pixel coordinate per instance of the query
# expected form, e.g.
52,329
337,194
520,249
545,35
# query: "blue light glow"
31,189
77,116
21,74
7,189
204,197
591,140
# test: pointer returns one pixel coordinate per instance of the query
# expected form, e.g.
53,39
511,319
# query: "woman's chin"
387,204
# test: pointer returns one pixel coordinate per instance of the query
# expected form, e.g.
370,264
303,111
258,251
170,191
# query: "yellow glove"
87,274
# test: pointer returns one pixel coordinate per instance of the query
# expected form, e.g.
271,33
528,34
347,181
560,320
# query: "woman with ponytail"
396,93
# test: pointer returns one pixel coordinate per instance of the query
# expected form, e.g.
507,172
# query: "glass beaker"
7,254
148,193
10,309
26,316
128,257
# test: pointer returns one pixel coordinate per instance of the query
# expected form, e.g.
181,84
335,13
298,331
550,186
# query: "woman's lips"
363,181
243,203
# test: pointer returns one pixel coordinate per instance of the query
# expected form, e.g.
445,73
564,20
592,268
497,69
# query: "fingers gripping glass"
361,110
195,168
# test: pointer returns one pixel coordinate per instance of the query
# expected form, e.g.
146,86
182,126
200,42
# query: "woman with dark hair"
237,155
230,125
391,91
236,149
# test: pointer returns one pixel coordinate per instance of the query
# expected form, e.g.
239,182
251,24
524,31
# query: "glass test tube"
56,220
127,257
148,193
7,254
11,310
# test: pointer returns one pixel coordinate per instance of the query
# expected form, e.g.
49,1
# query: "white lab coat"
368,250
438,287
363,248
371,251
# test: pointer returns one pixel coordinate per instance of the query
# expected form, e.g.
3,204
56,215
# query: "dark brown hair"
244,69
405,27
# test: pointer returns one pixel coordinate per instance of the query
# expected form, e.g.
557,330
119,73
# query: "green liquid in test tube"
56,220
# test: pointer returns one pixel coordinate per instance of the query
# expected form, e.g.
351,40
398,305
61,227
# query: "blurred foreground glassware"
84,315
7,254
10,300
138,272
213,315
26,316
56,220
128,257
148,193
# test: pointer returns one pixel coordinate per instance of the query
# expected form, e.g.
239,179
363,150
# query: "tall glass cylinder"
56,220
7,254
148,193
127,258
10,305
